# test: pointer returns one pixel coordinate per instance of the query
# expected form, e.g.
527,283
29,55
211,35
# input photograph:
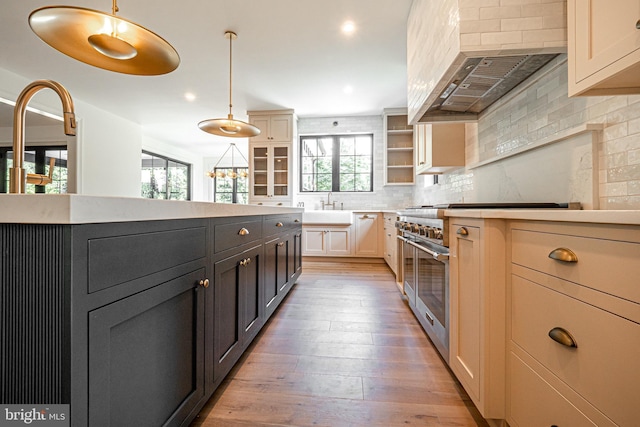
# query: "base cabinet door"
276,273
146,355
297,254
237,307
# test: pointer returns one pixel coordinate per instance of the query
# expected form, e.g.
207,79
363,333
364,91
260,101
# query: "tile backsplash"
539,108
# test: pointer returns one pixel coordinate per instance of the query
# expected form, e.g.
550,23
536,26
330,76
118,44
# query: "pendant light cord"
114,8
230,70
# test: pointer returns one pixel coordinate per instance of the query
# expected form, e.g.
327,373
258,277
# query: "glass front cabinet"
270,163
271,173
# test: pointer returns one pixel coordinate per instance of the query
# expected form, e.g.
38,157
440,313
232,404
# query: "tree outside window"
36,160
337,163
164,178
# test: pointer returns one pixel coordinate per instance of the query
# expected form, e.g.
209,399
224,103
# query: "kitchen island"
132,310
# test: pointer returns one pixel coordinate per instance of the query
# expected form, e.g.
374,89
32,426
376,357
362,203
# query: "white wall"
109,146
382,197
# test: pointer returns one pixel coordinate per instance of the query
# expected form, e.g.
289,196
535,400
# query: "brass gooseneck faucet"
17,177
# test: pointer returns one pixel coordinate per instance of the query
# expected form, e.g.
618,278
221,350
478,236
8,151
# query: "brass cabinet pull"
462,231
204,283
296,220
638,24
281,244
564,255
279,224
563,337
245,262
243,231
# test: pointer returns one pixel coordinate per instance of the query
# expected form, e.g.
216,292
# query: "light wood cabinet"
477,316
574,323
271,158
368,230
270,173
604,47
440,147
273,127
326,241
398,148
390,241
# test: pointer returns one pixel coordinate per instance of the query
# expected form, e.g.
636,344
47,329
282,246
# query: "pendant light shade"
229,126
104,40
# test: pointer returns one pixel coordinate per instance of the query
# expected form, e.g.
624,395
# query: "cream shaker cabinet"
604,47
273,127
326,241
440,147
477,317
573,324
368,229
271,158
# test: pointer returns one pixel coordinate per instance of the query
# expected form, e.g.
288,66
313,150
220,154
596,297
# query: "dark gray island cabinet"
137,323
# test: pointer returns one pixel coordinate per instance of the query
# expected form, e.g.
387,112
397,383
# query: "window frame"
234,193
166,159
335,162
40,162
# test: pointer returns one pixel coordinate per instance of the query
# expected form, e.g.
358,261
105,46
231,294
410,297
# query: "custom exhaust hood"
466,57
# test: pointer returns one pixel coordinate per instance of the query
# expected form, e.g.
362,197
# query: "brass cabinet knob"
281,244
562,336
638,24
279,224
296,220
243,232
204,283
245,262
564,255
462,231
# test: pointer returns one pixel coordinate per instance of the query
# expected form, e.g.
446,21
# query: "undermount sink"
327,217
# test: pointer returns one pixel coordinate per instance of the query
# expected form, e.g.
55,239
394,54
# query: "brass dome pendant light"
229,126
104,40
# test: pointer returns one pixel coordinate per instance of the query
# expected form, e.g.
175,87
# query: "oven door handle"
436,255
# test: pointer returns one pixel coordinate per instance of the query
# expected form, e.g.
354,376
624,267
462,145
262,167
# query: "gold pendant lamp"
104,40
229,126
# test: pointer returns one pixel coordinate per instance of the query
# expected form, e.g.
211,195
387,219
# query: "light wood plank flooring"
342,350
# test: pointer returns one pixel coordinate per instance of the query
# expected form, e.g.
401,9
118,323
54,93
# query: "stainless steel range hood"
462,56
479,82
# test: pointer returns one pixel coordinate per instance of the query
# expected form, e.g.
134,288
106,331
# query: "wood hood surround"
447,37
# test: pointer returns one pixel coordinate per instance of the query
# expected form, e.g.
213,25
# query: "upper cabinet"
462,55
273,127
271,158
440,147
604,47
398,143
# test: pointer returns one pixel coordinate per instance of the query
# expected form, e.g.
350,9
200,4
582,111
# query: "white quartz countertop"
80,209
566,215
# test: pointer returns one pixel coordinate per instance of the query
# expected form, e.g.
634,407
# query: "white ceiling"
289,54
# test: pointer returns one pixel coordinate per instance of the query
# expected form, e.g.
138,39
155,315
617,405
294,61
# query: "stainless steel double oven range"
424,232
425,270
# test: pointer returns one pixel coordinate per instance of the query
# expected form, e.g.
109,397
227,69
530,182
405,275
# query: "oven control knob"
431,233
415,228
407,226
438,234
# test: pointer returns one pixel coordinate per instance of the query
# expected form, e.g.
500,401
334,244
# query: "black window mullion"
335,165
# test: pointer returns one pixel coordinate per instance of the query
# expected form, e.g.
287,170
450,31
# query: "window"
228,189
336,163
164,178
36,160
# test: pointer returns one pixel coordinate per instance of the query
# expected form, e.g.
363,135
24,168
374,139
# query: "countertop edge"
626,217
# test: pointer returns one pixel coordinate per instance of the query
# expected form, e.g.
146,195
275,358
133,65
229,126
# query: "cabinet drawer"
604,368
535,403
233,234
609,266
275,224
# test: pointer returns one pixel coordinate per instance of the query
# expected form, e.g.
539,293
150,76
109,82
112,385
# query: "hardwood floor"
342,350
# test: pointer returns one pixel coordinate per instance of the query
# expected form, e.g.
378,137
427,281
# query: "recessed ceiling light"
348,27
348,89
190,96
